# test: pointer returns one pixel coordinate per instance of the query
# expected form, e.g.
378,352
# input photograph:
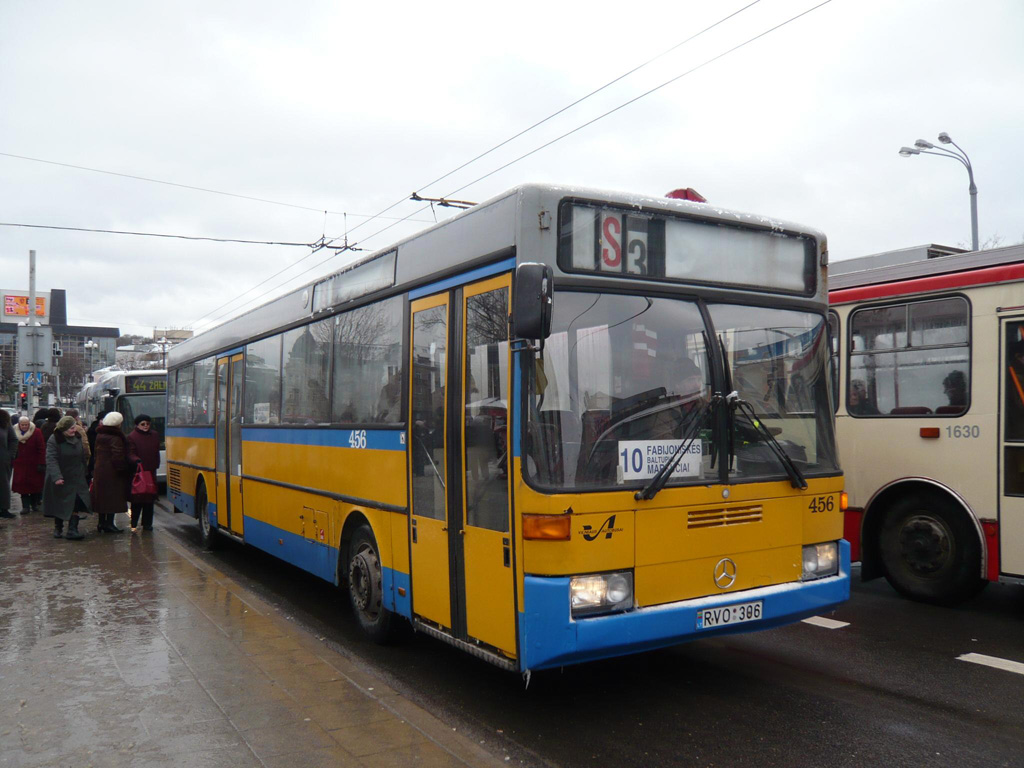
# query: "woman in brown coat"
112,473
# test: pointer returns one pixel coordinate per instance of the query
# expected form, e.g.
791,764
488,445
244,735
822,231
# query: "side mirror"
531,301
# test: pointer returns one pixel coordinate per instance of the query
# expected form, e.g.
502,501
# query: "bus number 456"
357,438
822,504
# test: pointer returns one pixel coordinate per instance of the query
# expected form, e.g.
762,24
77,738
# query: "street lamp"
162,341
90,345
922,147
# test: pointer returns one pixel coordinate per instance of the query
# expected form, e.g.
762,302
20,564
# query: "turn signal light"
547,527
844,501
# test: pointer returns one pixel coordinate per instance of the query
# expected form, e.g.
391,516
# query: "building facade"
83,348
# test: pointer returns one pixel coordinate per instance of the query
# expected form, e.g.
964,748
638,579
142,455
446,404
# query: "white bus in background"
930,421
131,393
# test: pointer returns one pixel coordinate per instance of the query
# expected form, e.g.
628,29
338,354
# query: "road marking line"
993,661
820,621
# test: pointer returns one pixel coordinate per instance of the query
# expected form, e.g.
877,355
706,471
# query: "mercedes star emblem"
725,573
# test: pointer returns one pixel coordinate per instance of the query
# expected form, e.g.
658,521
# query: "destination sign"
145,384
620,243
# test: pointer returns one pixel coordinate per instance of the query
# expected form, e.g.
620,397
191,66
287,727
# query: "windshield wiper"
796,478
658,482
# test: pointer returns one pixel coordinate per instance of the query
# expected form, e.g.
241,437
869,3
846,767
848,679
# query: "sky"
346,108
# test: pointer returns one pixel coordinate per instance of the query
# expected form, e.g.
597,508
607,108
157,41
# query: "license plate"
729,614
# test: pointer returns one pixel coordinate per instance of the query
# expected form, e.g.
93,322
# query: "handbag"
143,484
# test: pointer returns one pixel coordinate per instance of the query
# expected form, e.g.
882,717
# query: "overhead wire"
155,234
524,131
559,138
555,114
594,92
637,98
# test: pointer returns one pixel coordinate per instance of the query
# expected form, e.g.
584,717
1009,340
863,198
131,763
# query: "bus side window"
833,339
910,359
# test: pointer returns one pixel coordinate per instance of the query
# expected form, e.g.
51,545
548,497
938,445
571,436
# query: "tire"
930,550
365,579
207,535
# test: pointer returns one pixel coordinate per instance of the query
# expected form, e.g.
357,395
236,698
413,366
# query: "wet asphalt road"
887,689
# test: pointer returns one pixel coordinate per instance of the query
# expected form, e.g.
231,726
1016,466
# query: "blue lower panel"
319,559
186,502
550,638
393,582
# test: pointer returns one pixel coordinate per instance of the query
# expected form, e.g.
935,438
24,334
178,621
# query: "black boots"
73,532
106,525
58,528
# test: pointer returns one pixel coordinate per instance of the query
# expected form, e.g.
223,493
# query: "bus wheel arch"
925,540
362,576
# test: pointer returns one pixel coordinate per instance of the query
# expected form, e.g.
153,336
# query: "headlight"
820,560
601,593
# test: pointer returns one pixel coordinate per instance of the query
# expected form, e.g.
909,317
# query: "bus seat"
950,409
910,410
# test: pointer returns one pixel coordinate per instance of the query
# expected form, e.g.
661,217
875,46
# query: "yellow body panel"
685,579
674,540
490,615
199,451
359,472
237,509
431,577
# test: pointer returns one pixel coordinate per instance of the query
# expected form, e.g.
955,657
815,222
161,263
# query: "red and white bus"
929,370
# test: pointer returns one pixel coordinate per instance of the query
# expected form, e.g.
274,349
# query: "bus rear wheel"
207,535
930,550
365,586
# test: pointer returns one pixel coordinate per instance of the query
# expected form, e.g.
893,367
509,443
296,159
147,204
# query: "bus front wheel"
365,586
930,550
207,535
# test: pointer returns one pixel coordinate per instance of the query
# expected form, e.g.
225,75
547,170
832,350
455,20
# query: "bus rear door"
230,374
1011,502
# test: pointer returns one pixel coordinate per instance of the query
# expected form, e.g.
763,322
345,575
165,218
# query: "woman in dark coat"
8,450
111,473
48,426
30,465
144,444
65,492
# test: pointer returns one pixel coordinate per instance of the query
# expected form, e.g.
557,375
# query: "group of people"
68,471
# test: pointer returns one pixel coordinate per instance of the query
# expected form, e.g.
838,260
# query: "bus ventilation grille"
713,518
174,478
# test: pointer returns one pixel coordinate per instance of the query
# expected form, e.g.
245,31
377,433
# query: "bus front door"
463,575
1011,484
230,374
487,565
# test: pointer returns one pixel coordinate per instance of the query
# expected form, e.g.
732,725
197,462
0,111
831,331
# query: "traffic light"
23,400
57,351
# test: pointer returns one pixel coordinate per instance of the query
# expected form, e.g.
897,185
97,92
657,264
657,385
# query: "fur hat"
65,423
113,419
143,417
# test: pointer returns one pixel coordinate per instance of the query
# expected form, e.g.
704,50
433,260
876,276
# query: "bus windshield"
622,380
618,374
779,362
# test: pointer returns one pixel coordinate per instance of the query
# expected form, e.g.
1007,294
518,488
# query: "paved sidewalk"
128,650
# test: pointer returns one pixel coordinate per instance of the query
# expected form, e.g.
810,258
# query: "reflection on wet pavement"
130,650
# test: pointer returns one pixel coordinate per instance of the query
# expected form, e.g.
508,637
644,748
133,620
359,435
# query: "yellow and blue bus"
561,426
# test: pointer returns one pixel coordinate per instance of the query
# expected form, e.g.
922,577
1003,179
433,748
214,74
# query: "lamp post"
162,341
89,346
927,148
